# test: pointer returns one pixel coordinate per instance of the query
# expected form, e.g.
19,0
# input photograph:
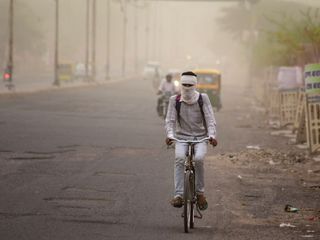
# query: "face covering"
189,95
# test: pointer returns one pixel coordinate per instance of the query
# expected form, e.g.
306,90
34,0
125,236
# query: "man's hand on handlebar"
213,142
169,141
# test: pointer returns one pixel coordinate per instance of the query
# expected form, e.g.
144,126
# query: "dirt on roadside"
273,183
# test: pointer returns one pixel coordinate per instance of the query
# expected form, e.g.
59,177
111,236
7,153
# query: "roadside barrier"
274,103
313,126
288,106
299,108
312,83
299,126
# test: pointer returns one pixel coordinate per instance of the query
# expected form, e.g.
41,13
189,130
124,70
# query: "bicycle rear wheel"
188,210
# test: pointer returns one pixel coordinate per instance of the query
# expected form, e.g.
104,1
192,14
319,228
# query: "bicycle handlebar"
190,141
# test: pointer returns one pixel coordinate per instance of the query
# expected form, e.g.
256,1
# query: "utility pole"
93,54
159,45
124,34
154,48
56,48
108,42
87,40
136,38
147,31
9,67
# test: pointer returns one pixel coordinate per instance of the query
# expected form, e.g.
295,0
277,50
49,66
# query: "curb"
63,87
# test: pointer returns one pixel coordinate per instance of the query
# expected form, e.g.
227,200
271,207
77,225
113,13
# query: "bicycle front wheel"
188,211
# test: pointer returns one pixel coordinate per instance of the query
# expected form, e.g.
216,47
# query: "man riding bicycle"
166,86
190,117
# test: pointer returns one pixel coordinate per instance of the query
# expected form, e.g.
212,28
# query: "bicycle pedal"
199,215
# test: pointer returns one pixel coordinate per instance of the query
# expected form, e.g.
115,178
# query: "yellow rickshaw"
209,82
65,72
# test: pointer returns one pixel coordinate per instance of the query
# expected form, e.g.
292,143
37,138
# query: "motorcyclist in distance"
166,86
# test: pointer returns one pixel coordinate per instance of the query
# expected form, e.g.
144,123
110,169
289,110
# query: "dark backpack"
200,102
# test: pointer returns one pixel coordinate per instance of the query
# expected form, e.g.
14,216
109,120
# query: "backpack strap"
200,103
178,106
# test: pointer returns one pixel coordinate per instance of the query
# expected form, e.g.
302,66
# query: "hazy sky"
178,31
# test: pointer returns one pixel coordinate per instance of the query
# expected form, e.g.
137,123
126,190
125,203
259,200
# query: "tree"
294,40
275,31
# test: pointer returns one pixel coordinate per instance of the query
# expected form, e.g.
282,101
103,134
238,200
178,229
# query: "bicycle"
189,193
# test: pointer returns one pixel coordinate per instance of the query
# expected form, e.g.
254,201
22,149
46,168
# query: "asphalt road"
90,163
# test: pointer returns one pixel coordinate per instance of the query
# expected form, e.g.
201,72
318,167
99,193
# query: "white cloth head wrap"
189,95
188,79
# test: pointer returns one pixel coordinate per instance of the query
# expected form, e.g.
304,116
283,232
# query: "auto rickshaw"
209,82
65,72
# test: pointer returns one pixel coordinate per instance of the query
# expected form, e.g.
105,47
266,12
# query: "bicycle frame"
189,186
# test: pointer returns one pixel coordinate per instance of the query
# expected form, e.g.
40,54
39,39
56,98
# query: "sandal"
177,202
202,202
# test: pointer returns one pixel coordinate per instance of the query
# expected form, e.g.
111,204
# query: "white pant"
181,152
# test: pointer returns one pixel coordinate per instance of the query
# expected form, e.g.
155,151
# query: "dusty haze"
182,35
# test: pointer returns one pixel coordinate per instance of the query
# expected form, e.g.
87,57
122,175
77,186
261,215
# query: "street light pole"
10,60
108,42
136,39
147,31
93,55
154,47
124,42
56,50
87,40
